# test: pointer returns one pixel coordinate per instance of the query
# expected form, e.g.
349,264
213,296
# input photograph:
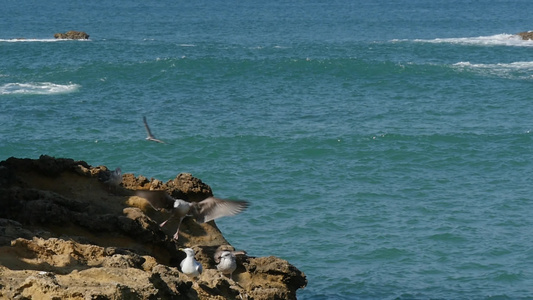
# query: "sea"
385,146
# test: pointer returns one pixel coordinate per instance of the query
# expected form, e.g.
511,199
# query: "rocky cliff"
66,234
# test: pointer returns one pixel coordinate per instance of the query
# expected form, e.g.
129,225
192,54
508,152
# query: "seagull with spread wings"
150,136
204,211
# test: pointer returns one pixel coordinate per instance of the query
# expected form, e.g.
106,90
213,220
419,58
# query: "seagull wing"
150,135
156,140
214,208
158,199
199,267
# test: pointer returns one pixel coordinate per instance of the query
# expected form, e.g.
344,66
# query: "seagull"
150,136
190,266
204,211
227,263
225,258
111,178
115,177
228,248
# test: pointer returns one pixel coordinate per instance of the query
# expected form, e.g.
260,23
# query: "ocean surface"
385,146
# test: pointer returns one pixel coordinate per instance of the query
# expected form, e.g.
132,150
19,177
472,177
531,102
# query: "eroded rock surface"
65,234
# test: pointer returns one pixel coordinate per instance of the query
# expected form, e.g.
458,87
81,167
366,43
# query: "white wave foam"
520,70
521,65
492,40
38,88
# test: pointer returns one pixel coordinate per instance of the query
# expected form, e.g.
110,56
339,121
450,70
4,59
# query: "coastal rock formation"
65,234
526,35
72,35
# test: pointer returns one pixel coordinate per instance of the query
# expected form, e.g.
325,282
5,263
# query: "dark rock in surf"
72,35
526,35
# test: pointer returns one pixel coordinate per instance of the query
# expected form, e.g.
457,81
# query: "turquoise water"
385,147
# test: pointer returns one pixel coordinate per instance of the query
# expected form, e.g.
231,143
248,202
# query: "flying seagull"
206,210
150,136
190,266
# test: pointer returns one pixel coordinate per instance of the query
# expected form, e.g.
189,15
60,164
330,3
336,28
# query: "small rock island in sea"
72,35
66,234
526,35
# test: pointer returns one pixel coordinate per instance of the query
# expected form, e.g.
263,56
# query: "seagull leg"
178,230
165,222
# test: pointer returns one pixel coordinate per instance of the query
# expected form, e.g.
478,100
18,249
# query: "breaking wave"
38,88
491,40
517,70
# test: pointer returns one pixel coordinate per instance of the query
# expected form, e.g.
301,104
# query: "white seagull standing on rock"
204,211
190,266
227,263
225,258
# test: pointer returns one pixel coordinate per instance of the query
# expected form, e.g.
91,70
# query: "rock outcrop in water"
72,35
64,234
526,35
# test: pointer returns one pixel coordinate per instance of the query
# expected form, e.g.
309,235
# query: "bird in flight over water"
150,136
